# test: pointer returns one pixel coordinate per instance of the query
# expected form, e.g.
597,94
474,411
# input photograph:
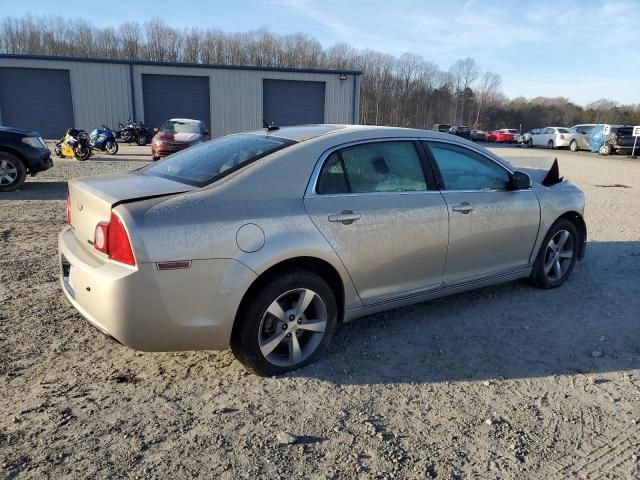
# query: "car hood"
19,131
178,137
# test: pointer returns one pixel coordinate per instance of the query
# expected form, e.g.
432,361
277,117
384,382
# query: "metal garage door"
175,96
288,102
36,99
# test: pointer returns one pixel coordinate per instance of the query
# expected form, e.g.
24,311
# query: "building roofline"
177,64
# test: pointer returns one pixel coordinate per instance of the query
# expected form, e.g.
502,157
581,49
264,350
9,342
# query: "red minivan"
177,134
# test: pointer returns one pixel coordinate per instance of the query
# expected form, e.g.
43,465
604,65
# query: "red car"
177,134
500,136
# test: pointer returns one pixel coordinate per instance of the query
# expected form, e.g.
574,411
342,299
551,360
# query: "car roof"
349,133
302,133
184,120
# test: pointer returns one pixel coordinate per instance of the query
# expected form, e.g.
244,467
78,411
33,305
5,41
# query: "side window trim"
344,170
426,143
427,170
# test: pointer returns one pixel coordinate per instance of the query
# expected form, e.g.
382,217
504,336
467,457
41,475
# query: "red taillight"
68,208
112,239
118,242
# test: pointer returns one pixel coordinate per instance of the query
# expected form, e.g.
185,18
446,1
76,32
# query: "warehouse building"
51,94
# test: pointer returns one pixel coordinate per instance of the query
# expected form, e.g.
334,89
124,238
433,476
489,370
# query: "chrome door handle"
464,208
346,217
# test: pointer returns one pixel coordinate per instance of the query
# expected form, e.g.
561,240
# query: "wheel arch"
577,219
15,152
308,263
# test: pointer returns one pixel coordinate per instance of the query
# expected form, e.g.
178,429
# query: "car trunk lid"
91,199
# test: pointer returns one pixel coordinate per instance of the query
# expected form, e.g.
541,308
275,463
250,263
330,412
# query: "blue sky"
580,49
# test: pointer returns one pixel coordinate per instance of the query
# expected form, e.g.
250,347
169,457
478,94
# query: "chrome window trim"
311,186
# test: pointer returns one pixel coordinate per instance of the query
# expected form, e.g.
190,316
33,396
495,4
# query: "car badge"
80,205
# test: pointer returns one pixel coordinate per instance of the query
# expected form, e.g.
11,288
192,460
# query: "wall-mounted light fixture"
343,76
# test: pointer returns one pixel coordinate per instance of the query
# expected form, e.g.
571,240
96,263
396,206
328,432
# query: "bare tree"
405,91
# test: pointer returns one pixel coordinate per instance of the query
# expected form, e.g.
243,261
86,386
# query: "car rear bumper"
152,310
559,142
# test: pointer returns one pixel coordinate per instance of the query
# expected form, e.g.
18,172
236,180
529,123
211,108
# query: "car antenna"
270,128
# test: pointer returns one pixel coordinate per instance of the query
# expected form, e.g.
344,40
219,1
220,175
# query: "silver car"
266,241
583,132
555,137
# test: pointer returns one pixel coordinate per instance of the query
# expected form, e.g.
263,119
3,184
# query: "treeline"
405,91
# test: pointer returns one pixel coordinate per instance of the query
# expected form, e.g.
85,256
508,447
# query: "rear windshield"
207,162
173,126
563,130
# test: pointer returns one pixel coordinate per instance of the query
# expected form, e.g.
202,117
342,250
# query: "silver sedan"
266,241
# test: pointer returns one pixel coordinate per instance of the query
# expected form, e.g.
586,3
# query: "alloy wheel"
292,328
558,255
8,172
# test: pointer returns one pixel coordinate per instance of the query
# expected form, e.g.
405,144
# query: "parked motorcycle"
75,144
104,140
134,132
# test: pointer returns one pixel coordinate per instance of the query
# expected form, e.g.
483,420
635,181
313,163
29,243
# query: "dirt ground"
505,382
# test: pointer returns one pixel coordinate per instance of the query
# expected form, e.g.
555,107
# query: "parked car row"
587,136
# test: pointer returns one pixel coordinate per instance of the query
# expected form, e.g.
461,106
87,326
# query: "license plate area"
66,277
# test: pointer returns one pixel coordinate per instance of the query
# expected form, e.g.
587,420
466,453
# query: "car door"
492,227
585,137
377,204
542,139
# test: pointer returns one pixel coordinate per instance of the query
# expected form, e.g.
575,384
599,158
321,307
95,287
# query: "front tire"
12,172
286,324
550,145
113,149
141,140
557,255
530,143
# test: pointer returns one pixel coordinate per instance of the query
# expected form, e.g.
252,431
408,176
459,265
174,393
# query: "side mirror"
520,181
206,132
156,130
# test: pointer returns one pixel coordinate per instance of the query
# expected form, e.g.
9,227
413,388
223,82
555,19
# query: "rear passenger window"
373,167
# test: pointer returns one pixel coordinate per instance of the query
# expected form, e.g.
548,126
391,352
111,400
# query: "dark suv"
620,139
441,127
21,152
461,131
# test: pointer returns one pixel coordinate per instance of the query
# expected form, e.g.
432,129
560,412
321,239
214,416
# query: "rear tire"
605,149
12,172
557,256
141,140
272,344
573,146
550,144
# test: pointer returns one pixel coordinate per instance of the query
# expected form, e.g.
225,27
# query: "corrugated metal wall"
102,92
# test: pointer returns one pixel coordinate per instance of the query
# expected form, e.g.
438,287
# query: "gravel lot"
503,382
